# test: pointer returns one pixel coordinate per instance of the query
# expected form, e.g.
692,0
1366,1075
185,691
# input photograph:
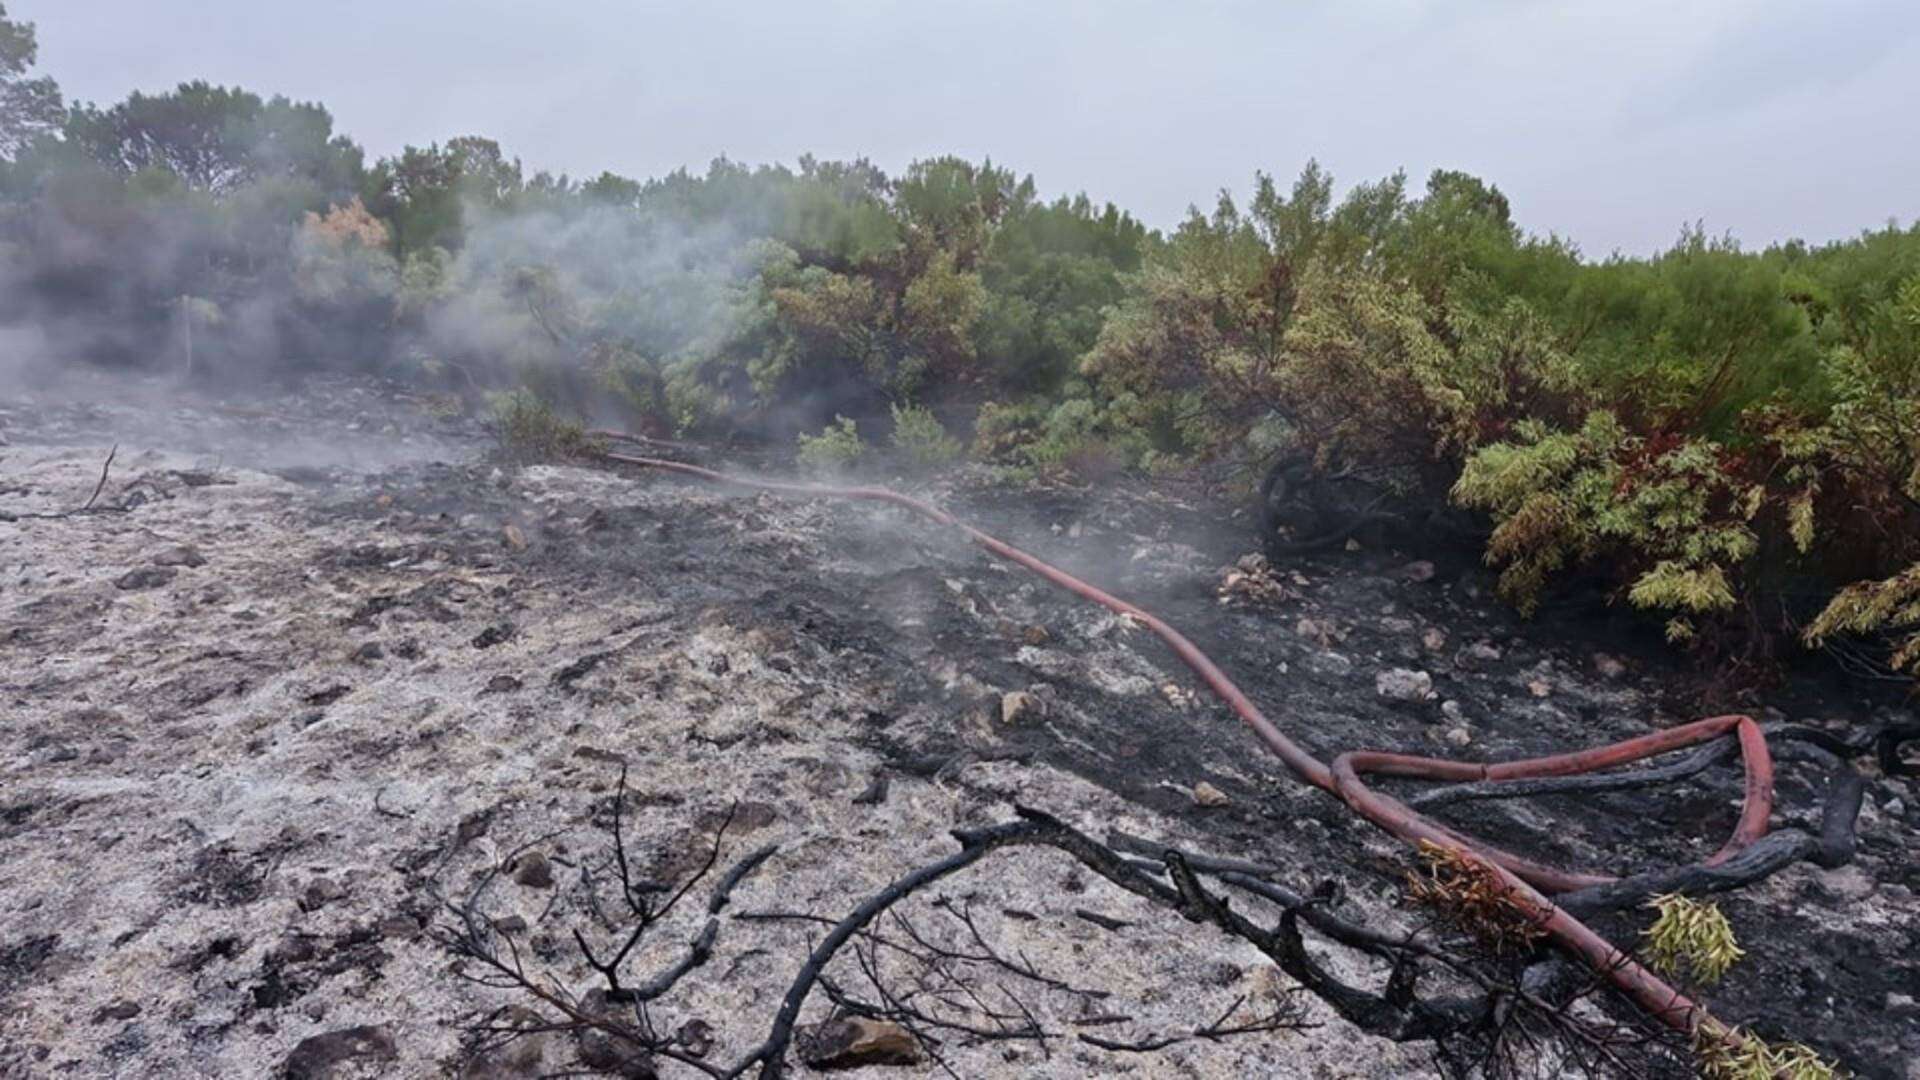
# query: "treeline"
1733,435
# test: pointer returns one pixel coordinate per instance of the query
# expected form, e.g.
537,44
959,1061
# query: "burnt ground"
254,722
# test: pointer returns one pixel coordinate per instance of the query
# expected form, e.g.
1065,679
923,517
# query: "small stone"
1017,705
1894,808
1418,571
1205,794
1477,654
147,577
1400,684
1453,711
501,684
1458,736
1319,631
1352,545
1434,640
182,555
1608,665
122,1009
1035,635
696,1036
604,1053
1847,883
369,652
854,1041
515,539
1539,688
533,870
493,635
317,1057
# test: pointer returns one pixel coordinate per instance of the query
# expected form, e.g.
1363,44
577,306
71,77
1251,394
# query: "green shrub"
836,449
1690,938
527,426
919,435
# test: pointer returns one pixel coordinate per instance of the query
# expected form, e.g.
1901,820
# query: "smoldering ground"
345,673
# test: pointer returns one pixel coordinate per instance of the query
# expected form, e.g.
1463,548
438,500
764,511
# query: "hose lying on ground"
1528,883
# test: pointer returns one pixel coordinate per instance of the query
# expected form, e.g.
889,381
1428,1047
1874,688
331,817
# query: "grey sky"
1613,122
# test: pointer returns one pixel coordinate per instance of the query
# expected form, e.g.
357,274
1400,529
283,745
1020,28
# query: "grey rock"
147,577
319,1057
1401,684
533,870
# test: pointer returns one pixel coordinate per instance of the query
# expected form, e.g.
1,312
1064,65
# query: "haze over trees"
1704,426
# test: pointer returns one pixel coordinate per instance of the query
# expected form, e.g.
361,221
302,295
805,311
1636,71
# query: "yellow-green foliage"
918,434
1726,1053
527,425
1561,497
1868,606
836,448
1691,939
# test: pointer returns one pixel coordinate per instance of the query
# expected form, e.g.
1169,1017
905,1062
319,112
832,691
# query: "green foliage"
29,107
219,140
919,435
1725,1053
1690,938
527,426
837,448
1707,423
1891,605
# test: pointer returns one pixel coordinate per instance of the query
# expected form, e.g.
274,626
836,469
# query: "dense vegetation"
1733,436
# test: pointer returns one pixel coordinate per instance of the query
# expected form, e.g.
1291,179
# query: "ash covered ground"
333,661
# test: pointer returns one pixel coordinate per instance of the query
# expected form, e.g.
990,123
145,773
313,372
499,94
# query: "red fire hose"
1528,882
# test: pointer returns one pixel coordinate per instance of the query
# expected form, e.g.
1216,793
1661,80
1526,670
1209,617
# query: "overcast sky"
1613,122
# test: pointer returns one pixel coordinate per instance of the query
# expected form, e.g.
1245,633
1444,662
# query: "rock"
122,1009
1453,711
519,1056
1434,640
604,1053
1035,635
1017,705
493,635
695,1036
1611,667
1458,736
501,684
1327,663
147,577
1205,794
317,1057
1351,545
1894,808
1539,688
1417,571
368,653
533,870
1319,631
516,539
182,555
1847,883
1476,655
1400,684
854,1041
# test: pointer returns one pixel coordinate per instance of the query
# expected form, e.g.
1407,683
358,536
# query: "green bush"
527,426
836,449
919,435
